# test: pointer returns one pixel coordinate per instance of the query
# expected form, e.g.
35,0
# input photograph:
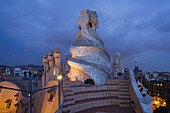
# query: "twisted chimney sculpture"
90,59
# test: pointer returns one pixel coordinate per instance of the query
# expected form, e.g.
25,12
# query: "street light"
59,77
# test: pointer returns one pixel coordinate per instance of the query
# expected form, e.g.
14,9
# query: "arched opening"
140,88
90,24
89,81
126,70
80,27
119,74
50,98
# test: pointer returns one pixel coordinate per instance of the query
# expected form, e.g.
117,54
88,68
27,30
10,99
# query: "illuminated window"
157,84
161,85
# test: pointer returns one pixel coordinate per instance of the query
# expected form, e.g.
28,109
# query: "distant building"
157,88
7,71
167,89
20,72
66,67
2,70
158,85
137,70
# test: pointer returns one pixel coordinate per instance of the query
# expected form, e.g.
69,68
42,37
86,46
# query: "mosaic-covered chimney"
90,59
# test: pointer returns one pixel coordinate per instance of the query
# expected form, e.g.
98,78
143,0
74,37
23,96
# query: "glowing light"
54,72
157,84
59,77
157,102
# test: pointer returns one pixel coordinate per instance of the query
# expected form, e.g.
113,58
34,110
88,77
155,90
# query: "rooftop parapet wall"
142,104
10,96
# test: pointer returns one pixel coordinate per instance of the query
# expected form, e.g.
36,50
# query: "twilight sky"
139,30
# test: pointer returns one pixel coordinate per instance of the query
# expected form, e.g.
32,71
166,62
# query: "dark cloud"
135,28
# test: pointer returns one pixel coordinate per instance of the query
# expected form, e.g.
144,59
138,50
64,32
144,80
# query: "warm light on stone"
59,77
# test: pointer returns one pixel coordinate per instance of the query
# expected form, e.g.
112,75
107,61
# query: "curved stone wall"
6,94
142,104
42,103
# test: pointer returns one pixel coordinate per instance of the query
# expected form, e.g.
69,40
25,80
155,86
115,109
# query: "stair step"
68,102
68,93
92,104
124,101
72,86
66,89
69,97
124,83
66,109
123,89
124,96
124,105
126,92
77,98
72,83
116,81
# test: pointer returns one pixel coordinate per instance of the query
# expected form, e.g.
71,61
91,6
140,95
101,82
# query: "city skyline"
138,30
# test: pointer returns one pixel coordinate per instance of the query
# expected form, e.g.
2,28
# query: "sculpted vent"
90,59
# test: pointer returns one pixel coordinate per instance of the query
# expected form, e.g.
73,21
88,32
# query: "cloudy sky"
139,30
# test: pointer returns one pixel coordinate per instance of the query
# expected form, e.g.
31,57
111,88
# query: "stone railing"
142,104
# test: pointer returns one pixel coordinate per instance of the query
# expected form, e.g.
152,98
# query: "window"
8,103
51,98
17,95
157,84
161,85
89,81
90,24
51,93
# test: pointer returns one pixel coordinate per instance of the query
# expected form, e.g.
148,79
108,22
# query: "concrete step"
66,89
123,89
72,86
68,93
124,105
124,101
124,96
92,104
124,86
69,97
124,83
72,83
116,81
68,102
126,92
